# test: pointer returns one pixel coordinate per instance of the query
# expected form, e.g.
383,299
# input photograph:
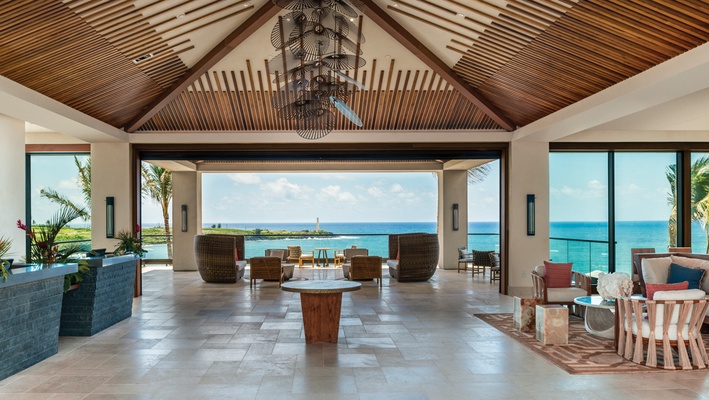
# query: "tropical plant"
479,173
44,248
129,243
157,184
5,245
699,174
84,182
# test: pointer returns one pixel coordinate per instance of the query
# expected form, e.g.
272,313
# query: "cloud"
375,192
281,187
333,191
396,188
246,179
69,183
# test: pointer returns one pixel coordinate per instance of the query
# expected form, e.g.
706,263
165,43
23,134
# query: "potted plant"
129,243
5,263
45,250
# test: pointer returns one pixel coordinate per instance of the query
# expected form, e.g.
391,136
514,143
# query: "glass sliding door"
578,209
700,202
484,208
644,203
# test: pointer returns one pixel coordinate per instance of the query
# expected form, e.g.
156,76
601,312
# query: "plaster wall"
186,188
452,189
110,177
12,178
529,174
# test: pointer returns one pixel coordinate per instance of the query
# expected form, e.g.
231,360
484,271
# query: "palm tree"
479,173
84,210
699,174
157,184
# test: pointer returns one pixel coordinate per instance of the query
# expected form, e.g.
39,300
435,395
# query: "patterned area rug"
585,353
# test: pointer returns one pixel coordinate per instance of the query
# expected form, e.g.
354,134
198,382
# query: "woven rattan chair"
580,285
648,326
266,268
366,268
481,260
347,255
217,257
464,257
413,256
297,255
495,269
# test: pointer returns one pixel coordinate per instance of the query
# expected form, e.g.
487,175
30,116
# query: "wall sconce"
530,215
455,216
110,217
184,218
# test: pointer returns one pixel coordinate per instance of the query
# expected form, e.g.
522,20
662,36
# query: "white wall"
529,174
186,189
452,189
110,176
12,180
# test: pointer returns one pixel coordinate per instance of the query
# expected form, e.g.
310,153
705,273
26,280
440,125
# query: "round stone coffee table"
321,301
599,317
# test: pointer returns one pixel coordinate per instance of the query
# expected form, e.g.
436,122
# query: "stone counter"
104,298
30,309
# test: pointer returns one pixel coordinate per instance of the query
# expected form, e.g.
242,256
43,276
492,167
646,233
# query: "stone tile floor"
191,340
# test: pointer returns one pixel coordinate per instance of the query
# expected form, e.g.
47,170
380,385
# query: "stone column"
187,191
528,174
110,177
452,189
12,180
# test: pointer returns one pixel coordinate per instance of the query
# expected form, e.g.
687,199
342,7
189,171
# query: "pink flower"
21,225
137,229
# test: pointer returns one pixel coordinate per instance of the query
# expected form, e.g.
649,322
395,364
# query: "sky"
292,197
578,186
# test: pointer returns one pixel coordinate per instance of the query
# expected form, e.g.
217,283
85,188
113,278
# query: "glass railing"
484,241
587,255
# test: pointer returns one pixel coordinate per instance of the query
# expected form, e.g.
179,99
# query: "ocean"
583,243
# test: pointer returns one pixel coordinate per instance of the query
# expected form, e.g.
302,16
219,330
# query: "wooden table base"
321,316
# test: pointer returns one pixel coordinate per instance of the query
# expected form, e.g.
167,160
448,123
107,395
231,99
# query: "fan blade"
349,80
346,111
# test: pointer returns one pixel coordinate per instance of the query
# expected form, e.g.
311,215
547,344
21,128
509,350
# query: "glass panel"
644,193
700,202
56,179
578,210
484,207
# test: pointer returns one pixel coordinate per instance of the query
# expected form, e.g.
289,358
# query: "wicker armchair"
266,268
347,255
366,268
297,255
648,326
580,285
413,256
482,260
217,257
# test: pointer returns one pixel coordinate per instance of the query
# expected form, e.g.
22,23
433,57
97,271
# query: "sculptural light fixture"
530,214
110,217
318,41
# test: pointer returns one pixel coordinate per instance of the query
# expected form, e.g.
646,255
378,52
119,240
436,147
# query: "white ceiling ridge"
25,104
675,78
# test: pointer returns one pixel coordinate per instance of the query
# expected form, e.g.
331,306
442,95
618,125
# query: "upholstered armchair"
283,254
266,268
464,257
670,323
366,268
413,256
218,257
495,268
347,255
579,285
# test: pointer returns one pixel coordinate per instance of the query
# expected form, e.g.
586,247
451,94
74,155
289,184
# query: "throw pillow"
651,288
236,254
557,275
656,269
680,273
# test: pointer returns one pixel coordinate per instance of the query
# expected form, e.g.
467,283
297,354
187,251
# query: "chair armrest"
539,286
582,281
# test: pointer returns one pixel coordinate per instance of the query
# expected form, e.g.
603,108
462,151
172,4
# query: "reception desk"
31,300
104,297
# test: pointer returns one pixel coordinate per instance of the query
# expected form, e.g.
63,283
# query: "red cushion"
557,275
651,288
236,254
397,256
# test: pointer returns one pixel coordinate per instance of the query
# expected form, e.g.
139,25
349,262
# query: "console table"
321,301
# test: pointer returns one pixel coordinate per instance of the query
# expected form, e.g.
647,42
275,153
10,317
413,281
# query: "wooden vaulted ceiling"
471,64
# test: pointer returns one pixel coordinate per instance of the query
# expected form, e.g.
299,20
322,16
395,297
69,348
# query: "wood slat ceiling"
527,58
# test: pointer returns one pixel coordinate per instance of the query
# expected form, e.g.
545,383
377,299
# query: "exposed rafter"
241,33
402,35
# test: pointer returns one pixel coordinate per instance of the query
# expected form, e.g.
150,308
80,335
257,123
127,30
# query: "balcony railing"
587,255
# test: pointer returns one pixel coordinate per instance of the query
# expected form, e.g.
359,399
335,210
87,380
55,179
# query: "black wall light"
455,216
530,214
184,217
110,217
